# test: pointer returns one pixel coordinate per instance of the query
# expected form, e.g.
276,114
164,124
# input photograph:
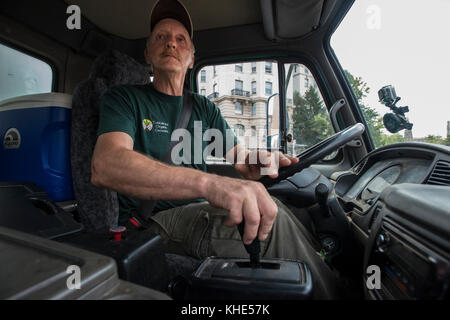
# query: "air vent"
441,174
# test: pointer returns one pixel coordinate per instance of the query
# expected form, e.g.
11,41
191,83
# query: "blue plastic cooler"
35,131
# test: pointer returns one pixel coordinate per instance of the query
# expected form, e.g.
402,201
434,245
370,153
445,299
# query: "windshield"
405,44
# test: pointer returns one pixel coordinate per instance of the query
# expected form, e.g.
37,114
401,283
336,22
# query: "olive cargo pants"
197,230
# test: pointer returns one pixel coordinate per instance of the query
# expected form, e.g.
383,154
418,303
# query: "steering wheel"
315,153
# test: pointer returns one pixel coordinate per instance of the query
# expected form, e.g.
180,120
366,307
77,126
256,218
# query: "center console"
409,246
235,279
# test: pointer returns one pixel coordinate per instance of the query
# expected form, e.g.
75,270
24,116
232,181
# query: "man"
121,161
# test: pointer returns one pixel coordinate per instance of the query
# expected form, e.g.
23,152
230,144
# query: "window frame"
242,108
342,79
271,67
321,88
241,129
271,88
253,86
253,108
203,76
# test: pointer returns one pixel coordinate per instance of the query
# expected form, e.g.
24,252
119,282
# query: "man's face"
169,47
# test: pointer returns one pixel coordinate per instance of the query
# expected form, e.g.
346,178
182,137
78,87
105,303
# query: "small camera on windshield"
396,121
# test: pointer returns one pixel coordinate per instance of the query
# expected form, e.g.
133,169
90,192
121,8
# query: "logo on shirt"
147,124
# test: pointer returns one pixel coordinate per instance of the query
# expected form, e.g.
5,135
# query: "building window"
214,71
253,109
238,67
203,76
253,87
239,130
238,108
269,67
253,129
306,70
253,67
203,92
268,87
306,82
22,74
238,85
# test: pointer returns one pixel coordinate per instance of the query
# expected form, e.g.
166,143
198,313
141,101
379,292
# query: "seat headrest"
118,68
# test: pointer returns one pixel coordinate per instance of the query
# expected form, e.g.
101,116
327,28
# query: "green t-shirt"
149,117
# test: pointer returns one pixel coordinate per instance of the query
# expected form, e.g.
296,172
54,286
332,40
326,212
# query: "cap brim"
173,9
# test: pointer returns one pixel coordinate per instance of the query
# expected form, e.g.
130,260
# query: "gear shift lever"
253,248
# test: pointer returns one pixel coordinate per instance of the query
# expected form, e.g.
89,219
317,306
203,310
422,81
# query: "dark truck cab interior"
367,210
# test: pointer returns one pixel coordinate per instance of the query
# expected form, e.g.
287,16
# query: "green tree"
393,138
447,141
436,139
310,118
372,117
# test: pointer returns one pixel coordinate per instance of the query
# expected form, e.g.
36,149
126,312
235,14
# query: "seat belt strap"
146,208
183,122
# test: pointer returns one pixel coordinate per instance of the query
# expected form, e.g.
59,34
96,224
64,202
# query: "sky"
406,44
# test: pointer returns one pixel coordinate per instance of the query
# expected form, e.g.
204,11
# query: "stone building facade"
242,91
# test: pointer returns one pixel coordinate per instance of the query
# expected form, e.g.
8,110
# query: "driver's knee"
284,214
289,231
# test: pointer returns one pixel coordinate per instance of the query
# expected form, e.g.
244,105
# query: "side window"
308,120
22,74
243,95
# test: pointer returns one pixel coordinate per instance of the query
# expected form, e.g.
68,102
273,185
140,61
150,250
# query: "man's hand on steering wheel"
257,163
250,200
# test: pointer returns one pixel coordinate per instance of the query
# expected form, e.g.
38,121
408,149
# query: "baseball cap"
173,9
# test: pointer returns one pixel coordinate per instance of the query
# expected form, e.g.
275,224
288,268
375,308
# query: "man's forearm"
136,175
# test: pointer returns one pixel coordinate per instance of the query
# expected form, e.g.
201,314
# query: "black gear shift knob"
253,248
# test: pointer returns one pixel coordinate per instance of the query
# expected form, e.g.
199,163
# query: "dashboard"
396,199
359,188
387,172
